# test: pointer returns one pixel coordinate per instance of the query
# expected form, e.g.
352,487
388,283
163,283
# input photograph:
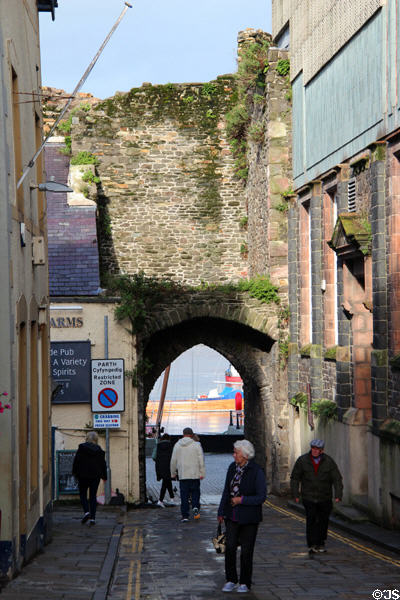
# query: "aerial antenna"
74,93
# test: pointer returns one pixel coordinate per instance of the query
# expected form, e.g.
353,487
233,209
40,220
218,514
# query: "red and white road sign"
108,385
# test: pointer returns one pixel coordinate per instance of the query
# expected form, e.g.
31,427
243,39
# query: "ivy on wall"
139,293
326,410
194,109
250,83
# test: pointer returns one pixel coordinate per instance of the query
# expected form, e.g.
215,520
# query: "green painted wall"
349,103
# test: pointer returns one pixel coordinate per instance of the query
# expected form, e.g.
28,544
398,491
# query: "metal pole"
76,90
107,487
162,399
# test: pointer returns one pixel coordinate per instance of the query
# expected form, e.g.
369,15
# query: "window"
34,412
305,276
22,427
330,271
17,139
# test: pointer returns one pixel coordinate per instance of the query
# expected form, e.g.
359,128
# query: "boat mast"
162,399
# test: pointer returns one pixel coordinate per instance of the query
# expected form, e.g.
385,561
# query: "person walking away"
313,476
163,461
241,503
89,467
187,463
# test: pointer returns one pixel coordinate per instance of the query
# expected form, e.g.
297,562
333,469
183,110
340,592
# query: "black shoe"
92,522
85,517
320,548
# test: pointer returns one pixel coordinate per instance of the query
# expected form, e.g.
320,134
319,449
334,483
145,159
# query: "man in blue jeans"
187,463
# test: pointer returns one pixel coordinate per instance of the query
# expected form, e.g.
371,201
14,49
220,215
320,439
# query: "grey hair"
246,448
92,437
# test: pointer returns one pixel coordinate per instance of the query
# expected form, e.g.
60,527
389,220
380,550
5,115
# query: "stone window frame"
305,288
393,226
330,263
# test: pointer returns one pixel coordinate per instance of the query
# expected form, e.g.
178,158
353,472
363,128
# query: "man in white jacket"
187,462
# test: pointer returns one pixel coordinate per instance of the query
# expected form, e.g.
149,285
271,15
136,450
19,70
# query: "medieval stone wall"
169,203
269,176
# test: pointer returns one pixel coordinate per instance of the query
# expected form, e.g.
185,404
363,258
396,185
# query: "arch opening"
253,354
204,392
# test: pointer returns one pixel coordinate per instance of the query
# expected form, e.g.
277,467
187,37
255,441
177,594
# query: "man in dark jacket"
163,459
315,473
89,467
241,506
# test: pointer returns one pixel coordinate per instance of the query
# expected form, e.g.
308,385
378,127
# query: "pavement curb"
104,580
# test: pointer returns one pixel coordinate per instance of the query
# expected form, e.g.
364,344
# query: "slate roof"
72,236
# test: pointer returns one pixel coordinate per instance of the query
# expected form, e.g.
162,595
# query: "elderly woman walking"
241,507
89,467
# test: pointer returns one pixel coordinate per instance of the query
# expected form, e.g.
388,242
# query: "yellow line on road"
130,577
136,546
140,544
137,586
133,547
339,537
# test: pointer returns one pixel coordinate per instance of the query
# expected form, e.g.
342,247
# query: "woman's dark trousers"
245,535
317,520
166,485
91,485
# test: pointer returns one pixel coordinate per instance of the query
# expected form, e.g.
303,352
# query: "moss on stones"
188,105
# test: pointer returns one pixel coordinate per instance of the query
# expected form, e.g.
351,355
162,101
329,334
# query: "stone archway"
254,354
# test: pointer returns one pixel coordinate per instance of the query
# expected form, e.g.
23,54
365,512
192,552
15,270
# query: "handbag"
219,541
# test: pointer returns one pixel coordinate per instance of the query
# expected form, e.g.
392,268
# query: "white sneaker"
159,503
242,589
229,586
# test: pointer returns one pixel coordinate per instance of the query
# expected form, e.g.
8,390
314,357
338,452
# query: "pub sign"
70,372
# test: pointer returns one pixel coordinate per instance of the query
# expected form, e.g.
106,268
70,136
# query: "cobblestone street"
160,558
75,564
163,559
211,487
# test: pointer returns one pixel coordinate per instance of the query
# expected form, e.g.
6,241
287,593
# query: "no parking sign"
108,385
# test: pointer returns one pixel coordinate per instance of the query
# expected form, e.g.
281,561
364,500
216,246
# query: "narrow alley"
163,559
148,554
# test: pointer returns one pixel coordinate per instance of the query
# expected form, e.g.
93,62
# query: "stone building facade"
25,482
82,322
269,179
343,238
170,204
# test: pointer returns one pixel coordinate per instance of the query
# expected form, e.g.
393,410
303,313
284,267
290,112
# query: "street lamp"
52,186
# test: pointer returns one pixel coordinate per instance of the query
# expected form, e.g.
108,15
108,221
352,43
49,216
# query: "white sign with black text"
103,421
108,385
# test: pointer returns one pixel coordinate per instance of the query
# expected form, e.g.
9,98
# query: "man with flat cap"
313,476
187,462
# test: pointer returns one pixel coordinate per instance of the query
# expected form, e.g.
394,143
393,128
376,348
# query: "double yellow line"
337,536
136,548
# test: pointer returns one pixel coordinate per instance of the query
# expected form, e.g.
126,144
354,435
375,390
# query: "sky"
158,41
194,372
